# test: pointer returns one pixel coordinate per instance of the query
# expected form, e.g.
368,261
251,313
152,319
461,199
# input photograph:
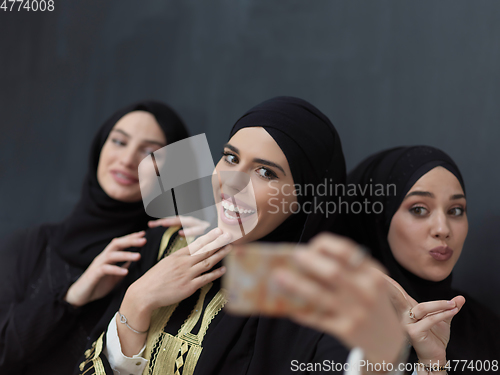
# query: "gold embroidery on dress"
178,355
178,242
95,360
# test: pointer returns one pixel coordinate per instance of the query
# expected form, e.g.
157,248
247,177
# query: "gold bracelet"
124,321
435,367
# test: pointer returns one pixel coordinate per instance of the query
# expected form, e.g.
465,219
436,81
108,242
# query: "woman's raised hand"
103,274
349,297
427,324
191,225
171,280
180,274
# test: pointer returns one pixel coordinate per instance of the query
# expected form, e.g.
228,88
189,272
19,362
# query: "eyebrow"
257,160
161,144
430,195
420,194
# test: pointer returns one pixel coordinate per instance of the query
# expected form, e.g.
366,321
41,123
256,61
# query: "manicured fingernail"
223,269
451,303
218,231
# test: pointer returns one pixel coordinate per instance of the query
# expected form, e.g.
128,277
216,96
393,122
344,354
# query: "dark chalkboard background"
386,72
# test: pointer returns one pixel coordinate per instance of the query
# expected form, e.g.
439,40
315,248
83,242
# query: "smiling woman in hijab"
170,318
273,141
52,256
419,237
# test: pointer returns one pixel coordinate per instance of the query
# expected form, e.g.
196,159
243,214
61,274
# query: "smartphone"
248,283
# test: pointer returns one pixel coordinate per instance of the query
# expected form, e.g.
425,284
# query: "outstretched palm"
429,328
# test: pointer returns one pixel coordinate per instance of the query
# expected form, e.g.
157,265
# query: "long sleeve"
37,318
120,363
355,360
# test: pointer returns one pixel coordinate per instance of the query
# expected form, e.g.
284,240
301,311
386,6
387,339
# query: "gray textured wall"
387,72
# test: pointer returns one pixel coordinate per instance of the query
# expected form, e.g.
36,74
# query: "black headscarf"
98,218
314,153
397,170
261,345
34,318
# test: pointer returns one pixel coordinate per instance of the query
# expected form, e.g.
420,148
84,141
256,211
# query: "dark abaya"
258,345
39,332
475,330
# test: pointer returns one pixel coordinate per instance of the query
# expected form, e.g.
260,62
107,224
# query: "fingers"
430,321
342,249
204,240
326,271
192,225
460,301
425,308
306,290
214,258
108,269
130,240
334,268
208,277
165,222
397,295
209,243
122,256
197,230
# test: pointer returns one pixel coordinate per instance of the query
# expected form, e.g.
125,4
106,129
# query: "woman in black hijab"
397,180
284,140
51,257
97,217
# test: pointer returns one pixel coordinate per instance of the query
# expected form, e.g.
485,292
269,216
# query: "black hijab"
312,147
98,218
397,170
261,345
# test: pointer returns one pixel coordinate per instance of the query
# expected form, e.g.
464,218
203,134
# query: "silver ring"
412,315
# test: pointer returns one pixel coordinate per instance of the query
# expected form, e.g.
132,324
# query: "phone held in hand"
249,283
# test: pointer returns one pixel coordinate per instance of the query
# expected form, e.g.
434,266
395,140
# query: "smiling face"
134,136
262,180
428,231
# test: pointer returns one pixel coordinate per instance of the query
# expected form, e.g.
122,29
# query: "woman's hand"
349,297
191,225
103,274
428,325
171,280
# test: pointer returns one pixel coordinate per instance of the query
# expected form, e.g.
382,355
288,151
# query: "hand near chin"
192,226
103,273
181,273
427,324
348,297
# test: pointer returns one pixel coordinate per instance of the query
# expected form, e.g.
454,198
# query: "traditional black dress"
196,336
475,330
39,332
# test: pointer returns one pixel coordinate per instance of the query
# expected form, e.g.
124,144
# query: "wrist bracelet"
434,367
123,320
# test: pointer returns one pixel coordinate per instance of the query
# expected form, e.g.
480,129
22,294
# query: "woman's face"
259,160
428,231
134,136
